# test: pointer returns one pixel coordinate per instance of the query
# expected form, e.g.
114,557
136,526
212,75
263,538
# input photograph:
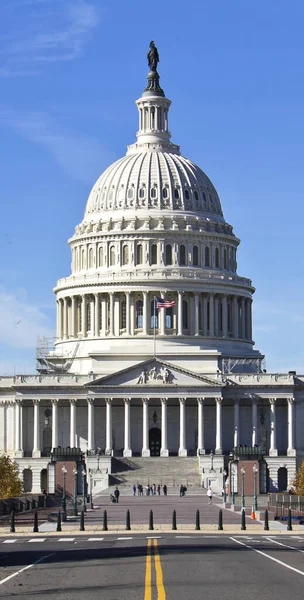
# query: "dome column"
83,316
73,317
128,320
111,331
196,314
235,317
58,332
97,315
65,318
103,316
145,313
224,317
179,313
247,319
211,315
243,318
216,316
205,315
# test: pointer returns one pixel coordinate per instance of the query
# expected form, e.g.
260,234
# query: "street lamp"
255,500
243,494
75,472
224,486
84,475
64,472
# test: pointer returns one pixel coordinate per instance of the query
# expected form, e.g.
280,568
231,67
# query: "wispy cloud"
50,31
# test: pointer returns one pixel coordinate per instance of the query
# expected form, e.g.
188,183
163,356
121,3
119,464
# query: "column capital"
91,400
164,400
18,401
108,401
127,400
236,401
73,402
55,401
219,400
182,400
291,400
145,400
36,401
201,400
272,401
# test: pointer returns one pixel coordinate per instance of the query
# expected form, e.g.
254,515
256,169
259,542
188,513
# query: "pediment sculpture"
155,375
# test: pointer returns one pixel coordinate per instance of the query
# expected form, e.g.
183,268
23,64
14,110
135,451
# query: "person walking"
158,489
165,490
116,494
134,490
210,494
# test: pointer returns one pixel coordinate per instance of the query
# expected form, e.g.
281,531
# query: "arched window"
112,256
154,254
217,258
185,314
196,195
125,255
139,314
168,255
176,193
165,193
187,194
154,315
207,256
182,255
153,192
204,197
82,259
90,258
100,257
139,254
142,192
195,256
225,258
122,324
130,193
169,318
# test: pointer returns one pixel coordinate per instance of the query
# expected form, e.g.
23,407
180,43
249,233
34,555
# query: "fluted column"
216,316
73,443
54,423
211,315
128,316
224,317
18,427
243,318
111,331
182,427
127,443
109,426
291,443
91,432
273,428
235,317
73,317
132,315
205,315
200,427
145,448
58,322
254,422
65,318
218,441
247,319
196,314
83,316
97,315
164,428
236,436
103,316
145,313
180,313
36,441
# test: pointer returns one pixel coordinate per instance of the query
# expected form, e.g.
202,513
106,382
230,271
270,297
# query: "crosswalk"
256,539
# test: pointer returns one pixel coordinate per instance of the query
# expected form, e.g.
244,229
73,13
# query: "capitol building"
154,357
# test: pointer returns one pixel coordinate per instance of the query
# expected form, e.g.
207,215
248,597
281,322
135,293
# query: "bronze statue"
153,57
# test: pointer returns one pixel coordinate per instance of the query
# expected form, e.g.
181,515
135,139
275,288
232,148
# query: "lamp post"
84,475
75,472
64,472
255,500
224,486
243,494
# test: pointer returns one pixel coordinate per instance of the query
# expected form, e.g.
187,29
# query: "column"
200,427
254,422
128,320
65,320
247,319
73,317
291,449
235,317
54,423
182,428
161,318
91,436
18,426
196,315
216,316
145,313
97,315
103,316
58,323
127,443
218,441
83,316
180,313
243,333
145,449
36,441
273,429
164,428
236,436
224,317
132,315
73,443
205,315
109,426
211,315
111,331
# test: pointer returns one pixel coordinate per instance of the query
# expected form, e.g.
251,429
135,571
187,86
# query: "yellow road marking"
161,594
148,583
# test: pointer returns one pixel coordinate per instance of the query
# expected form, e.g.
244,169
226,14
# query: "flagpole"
154,340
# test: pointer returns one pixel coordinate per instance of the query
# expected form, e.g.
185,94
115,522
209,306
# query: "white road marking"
9,541
285,545
280,562
125,538
25,568
37,540
153,537
66,539
185,536
95,540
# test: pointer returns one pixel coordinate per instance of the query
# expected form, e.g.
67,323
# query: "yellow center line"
161,594
148,583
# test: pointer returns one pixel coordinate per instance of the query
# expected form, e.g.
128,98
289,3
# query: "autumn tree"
299,480
10,483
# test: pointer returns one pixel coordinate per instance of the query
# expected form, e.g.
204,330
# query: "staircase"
172,471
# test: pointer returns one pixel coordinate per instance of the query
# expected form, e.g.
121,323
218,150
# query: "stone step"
171,471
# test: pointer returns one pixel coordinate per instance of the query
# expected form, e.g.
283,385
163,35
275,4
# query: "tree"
10,483
299,480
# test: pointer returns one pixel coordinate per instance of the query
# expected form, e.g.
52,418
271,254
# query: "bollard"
289,525
58,528
105,521
12,526
266,521
174,521
243,521
220,520
128,521
35,529
151,527
81,525
197,521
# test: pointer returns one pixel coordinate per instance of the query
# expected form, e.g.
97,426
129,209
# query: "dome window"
204,196
217,258
130,193
185,314
139,314
139,254
207,256
187,194
182,255
101,257
112,256
153,192
176,193
142,192
165,193
125,255
196,195
210,198
168,254
195,256
154,254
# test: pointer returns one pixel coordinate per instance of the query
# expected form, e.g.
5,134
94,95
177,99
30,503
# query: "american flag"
162,303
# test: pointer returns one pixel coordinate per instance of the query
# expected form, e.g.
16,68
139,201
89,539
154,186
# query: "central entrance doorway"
154,441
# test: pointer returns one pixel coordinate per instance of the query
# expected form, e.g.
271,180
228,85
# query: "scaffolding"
244,365
50,359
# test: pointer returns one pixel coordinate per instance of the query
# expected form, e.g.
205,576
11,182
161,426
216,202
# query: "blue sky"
70,71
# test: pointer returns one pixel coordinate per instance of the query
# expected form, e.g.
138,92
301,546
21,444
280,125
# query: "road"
141,567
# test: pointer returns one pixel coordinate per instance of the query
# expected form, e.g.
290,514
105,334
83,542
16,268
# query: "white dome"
153,180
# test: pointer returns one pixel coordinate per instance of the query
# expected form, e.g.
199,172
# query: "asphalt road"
165,567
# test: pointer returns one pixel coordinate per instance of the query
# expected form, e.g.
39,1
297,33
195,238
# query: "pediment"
153,373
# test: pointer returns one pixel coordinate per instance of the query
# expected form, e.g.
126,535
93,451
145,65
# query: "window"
139,254
210,198
195,256
142,192
139,314
165,193
125,255
153,192
196,195
185,314
112,256
154,315
187,196
122,324
182,255
90,258
207,256
168,255
169,318
204,197
82,259
217,258
176,194
154,254
100,257
130,193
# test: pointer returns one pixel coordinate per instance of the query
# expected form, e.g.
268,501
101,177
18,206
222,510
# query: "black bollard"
266,521
58,528
243,521
81,525
220,520
289,525
174,521
128,521
12,526
151,526
197,521
105,521
35,529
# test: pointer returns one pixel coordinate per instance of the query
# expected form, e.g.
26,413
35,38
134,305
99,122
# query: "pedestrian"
134,490
181,491
116,494
147,488
165,490
210,494
154,489
158,489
